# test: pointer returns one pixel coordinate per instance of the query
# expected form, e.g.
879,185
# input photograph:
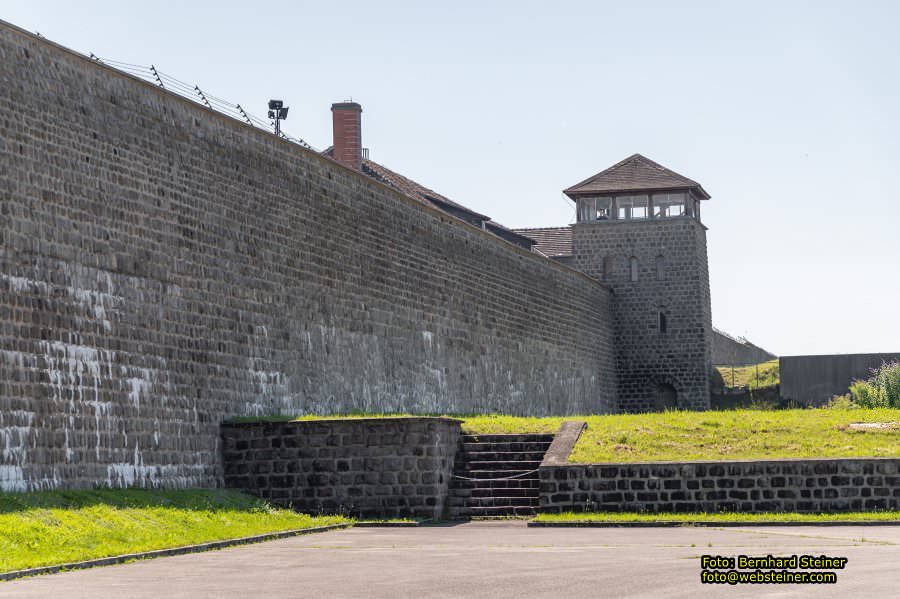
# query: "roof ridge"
646,174
540,228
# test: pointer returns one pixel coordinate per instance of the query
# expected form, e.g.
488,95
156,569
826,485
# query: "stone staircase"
493,475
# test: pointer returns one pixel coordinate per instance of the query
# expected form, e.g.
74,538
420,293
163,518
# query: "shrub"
887,381
866,395
841,402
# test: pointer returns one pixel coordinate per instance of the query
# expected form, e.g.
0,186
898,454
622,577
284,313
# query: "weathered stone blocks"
388,467
163,268
811,485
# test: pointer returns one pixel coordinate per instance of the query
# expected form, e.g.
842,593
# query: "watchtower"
638,229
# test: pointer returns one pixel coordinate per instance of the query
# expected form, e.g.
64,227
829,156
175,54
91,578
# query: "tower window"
669,204
594,209
663,325
633,207
634,268
660,268
607,267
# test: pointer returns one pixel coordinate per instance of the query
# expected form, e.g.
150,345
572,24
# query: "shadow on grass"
193,499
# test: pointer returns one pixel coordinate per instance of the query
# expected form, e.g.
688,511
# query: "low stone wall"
808,485
375,467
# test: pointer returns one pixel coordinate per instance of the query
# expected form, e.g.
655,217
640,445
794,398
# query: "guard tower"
638,229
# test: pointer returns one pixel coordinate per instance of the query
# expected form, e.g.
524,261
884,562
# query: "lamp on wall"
277,111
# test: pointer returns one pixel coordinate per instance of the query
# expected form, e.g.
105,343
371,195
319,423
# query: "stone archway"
666,397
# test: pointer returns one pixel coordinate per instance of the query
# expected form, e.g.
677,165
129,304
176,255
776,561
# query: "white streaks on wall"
12,478
91,304
75,376
140,386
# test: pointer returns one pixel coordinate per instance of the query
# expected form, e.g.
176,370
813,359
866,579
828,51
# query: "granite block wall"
381,468
673,279
804,485
163,268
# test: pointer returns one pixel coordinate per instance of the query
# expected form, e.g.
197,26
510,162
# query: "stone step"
513,467
490,512
502,456
455,502
515,483
499,491
520,438
539,446
496,474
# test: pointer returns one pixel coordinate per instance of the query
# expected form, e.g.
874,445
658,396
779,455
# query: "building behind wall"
639,231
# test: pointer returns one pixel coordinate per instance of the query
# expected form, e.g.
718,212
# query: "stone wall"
728,351
648,360
164,267
813,380
379,467
809,485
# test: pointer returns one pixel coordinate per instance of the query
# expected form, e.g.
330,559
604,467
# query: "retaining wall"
383,468
808,485
164,267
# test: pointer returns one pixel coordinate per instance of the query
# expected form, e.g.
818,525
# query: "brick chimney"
347,119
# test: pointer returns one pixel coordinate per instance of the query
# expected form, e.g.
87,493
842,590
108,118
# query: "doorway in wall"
666,397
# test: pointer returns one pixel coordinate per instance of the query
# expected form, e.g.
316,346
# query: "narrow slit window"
663,325
607,267
634,268
660,268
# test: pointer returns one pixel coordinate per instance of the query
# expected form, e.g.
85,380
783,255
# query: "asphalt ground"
491,559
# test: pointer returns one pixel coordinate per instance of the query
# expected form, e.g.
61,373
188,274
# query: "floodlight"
277,112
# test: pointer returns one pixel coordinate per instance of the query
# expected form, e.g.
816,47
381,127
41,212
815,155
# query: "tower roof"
635,173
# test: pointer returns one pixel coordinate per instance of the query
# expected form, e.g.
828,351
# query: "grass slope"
711,435
850,517
716,435
57,527
765,374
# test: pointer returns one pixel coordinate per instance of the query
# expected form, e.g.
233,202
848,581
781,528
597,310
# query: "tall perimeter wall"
163,268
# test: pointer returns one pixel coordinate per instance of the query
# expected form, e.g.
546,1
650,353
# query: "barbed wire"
194,93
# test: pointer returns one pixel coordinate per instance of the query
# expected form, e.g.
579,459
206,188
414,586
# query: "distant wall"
378,467
727,351
163,267
813,380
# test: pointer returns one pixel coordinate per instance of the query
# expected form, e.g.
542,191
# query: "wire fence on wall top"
194,93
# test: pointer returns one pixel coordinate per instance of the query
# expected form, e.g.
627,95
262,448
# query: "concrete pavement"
489,559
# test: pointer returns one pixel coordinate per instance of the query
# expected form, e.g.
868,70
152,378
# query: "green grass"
58,527
349,416
716,435
711,435
571,517
746,376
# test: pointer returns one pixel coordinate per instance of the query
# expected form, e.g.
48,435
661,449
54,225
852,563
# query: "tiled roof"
635,173
411,189
551,241
429,197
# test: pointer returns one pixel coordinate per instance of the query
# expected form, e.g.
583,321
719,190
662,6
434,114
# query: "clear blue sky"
788,113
